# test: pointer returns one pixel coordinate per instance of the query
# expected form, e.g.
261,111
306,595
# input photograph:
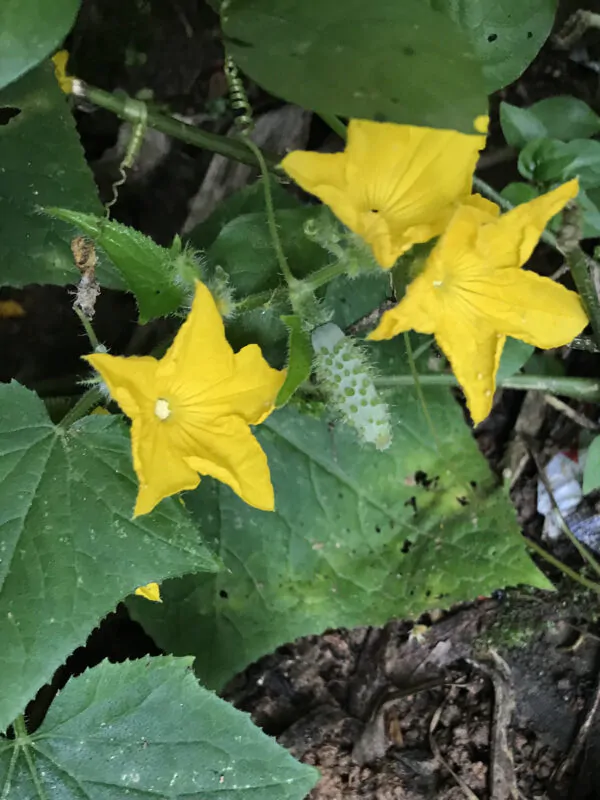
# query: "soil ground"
393,713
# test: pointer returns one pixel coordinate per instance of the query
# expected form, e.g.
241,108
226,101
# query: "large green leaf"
69,549
147,268
42,165
146,729
384,60
358,536
506,35
29,31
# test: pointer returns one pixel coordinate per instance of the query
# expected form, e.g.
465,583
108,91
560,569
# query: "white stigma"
162,409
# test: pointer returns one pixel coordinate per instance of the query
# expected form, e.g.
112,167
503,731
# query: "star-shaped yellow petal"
191,411
394,185
472,294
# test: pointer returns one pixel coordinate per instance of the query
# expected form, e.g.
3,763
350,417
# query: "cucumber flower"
472,294
191,411
394,185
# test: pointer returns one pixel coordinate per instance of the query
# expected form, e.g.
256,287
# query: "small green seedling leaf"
146,268
146,729
519,192
69,548
383,60
520,125
591,472
299,359
29,31
549,161
566,118
42,165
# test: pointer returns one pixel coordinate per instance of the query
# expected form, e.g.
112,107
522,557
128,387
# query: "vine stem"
87,325
595,587
578,388
86,403
270,209
336,125
132,111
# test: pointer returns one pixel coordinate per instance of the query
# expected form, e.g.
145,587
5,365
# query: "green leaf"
146,268
518,192
146,729
300,359
29,31
566,118
69,548
248,200
591,471
42,165
244,249
589,204
384,60
520,125
358,536
506,35
514,356
550,161
350,299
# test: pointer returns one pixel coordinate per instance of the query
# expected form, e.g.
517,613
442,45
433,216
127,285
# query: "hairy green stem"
87,325
270,209
324,276
83,406
131,110
561,566
578,388
580,265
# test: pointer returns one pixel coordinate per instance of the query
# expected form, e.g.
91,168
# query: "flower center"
162,409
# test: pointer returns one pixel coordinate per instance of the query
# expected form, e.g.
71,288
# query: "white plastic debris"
564,474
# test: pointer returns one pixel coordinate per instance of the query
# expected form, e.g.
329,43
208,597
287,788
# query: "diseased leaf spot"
408,50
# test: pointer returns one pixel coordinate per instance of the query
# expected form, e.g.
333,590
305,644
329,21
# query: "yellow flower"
394,185
60,70
151,591
191,411
472,294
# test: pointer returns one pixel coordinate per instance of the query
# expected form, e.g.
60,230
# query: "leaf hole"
530,34
223,594
428,593
492,37
463,501
406,546
377,528
473,484
412,501
408,50
7,113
